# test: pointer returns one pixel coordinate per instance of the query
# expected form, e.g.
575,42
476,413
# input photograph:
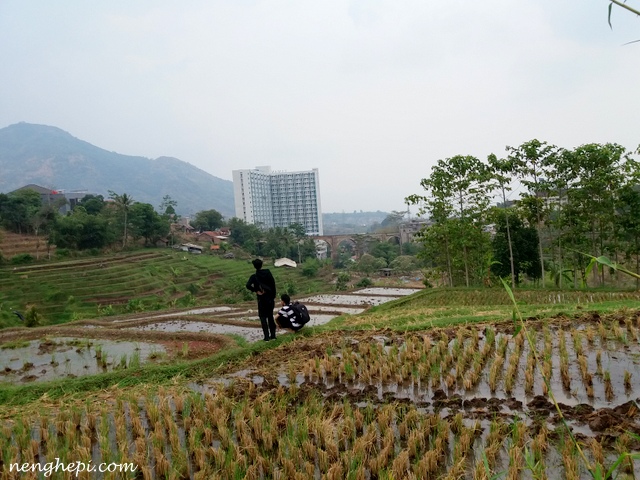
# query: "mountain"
52,158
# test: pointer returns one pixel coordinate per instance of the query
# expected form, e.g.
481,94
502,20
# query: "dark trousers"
265,312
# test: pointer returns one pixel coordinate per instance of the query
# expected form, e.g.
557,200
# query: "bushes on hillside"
310,268
364,282
21,259
342,282
32,318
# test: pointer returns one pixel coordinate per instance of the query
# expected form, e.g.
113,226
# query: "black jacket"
262,280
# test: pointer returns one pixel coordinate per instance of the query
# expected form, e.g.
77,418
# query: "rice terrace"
153,358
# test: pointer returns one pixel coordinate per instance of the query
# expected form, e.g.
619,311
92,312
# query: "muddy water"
322,309
54,358
348,299
251,334
248,333
196,311
354,370
387,291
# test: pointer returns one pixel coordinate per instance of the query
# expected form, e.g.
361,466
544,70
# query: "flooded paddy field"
469,402
69,351
335,299
556,399
93,347
53,357
243,321
251,333
485,391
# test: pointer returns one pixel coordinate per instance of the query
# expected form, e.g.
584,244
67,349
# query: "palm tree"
123,203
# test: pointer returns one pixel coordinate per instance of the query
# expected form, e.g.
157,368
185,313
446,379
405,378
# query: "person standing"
263,285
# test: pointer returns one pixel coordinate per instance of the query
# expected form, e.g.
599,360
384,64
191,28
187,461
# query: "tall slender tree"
501,172
531,161
123,204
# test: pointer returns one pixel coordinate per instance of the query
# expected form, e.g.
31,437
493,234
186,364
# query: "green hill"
52,158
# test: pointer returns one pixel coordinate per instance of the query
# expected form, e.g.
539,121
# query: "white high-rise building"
278,199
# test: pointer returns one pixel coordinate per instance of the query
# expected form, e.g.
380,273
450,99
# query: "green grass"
13,344
450,306
151,279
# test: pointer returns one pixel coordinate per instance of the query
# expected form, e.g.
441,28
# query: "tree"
500,171
123,204
457,201
299,233
18,208
385,251
404,264
168,205
42,222
146,223
523,257
245,235
390,223
598,173
369,264
629,211
93,204
360,243
307,249
279,242
531,161
82,231
207,220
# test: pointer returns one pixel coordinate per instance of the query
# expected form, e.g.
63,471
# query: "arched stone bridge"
334,241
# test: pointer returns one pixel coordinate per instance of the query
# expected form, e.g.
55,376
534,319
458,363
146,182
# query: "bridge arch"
334,241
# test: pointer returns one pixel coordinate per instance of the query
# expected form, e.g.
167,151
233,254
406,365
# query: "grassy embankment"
443,307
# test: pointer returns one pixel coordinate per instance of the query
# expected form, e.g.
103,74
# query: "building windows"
279,198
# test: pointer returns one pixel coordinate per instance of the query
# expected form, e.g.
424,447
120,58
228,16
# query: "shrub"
290,288
310,268
21,259
135,305
32,318
63,252
108,310
364,282
404,264
369,264
343,281
187,301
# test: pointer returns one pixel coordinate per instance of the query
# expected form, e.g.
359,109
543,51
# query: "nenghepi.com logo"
73,467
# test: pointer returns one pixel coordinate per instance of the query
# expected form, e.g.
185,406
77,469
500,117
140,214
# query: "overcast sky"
370,92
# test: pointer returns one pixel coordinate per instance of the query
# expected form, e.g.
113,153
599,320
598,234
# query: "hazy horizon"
370,93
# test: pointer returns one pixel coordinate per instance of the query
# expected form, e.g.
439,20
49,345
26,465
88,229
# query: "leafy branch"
602,262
